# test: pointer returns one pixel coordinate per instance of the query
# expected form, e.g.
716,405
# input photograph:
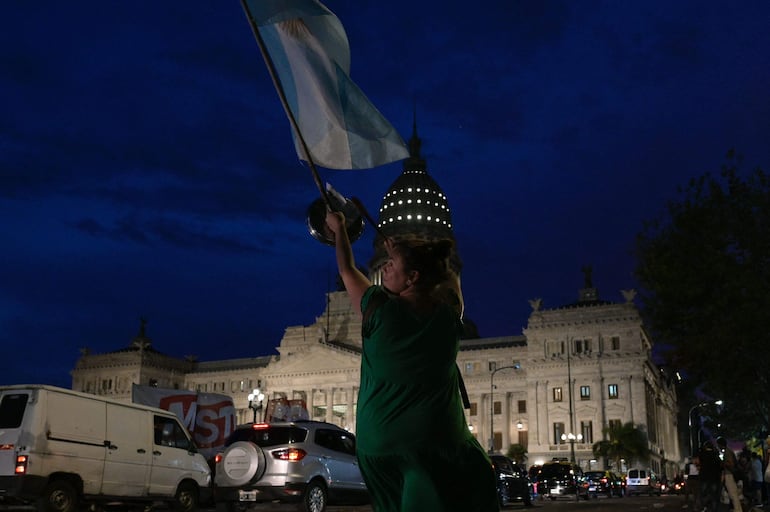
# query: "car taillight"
290,454
21,464
217,458
260,426
604,480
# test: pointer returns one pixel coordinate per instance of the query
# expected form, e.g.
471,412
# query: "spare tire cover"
241,462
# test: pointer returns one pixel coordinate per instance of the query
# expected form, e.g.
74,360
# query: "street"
666,503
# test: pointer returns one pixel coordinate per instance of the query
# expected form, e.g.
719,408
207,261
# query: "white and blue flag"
310,53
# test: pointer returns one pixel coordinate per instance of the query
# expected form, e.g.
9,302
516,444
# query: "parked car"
642,481
561,479
513,485
604,483
63,451
310,463
676,486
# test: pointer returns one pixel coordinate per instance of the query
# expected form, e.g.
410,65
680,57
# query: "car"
310,463
676,486
513,485
605,483
673,486
642,481
560,478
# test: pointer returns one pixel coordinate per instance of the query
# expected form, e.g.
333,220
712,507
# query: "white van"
60,448
642,481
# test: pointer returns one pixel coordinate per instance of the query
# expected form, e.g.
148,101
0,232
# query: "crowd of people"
718,479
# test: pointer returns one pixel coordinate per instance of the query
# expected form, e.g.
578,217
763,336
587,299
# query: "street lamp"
492,404
255,402
572,438
693,447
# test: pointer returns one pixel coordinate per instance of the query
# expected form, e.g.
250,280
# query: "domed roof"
415,205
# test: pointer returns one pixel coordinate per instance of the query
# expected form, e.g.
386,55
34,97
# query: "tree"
517,453
704,268
626,441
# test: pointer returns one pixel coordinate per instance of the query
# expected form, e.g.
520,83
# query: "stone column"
311,404
352,398
506,421
329,404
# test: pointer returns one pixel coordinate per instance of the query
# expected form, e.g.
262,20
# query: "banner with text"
209,417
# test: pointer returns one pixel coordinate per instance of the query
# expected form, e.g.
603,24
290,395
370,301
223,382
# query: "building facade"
574,371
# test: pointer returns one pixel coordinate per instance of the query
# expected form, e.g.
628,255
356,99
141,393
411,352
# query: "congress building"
574,370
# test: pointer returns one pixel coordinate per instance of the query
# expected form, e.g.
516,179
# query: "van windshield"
12,410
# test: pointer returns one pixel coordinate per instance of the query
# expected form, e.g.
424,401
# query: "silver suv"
311,463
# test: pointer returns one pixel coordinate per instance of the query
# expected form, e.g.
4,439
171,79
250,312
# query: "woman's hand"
336,222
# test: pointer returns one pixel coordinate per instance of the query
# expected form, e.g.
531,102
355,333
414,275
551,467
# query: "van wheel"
186,499
59,496
315,497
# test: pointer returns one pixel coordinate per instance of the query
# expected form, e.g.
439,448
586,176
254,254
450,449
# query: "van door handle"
156,452
141,450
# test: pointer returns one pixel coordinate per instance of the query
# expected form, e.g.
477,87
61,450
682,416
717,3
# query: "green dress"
414,447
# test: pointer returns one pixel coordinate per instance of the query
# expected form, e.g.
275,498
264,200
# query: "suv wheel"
314,499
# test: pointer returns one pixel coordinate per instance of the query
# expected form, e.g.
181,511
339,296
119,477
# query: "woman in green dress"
414,447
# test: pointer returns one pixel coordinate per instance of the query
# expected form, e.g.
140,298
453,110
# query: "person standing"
414,448
692,483
756,477
710,477
729,467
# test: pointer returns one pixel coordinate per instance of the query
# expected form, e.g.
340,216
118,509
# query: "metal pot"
316,219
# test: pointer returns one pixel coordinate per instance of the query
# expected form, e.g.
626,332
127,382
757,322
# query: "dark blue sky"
147,167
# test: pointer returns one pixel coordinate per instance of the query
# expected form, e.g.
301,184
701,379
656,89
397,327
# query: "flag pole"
285,103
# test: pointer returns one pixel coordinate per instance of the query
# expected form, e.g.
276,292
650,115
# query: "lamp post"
693,446
492,404
572,438
255,402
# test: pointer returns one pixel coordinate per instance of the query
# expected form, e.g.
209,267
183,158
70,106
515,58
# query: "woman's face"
394,277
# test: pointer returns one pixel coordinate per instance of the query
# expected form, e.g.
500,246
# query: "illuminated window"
612,390
557,396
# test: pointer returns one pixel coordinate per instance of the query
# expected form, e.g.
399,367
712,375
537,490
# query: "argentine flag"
310,54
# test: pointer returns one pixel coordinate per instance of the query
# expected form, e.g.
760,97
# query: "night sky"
147,167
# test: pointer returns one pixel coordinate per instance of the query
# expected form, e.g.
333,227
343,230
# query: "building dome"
415,205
